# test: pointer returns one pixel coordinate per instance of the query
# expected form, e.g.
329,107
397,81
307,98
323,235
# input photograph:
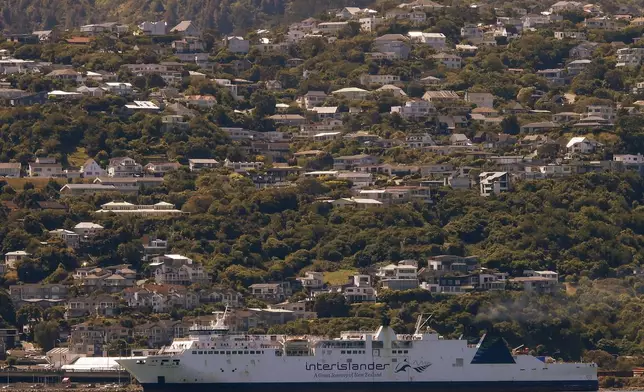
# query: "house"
142,106
159,169
352,93
200,164
565,117
119,88
583,51
629,57
243,167
177,269
236,44
65,74
575,35
553,76
563,6
312,99
396,44
189,46
288,119
359,289
576,67
44,295
129,184
394,90
378,79
10,169
398,194
600,23
272,292
125,208
91,91
124,167
370,24
415,109
161,298
153,247
70,238
87,230
332,28
606,112
351,161
494,183
442,96
186,29
85,189
481,100
358,179
110,27
403,276
629,159
312,280
450,61
436,41
355,202
459,139
224,296
101,305
91,169
582,145
14,257
45,167
419,140
324,112
161,333
543,126
538,282
90,338
415,16
153,28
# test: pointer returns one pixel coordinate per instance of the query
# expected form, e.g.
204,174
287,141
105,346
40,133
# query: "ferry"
213,359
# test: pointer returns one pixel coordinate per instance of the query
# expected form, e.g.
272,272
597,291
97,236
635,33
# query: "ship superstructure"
213,359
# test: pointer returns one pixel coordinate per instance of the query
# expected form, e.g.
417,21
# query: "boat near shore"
212,359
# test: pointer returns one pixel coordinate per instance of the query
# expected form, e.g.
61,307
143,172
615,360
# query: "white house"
434,40
87,229
11,258
494,183
582,145
153,28
91,169
415,109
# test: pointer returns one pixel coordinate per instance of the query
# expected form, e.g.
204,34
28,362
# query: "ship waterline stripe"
459,386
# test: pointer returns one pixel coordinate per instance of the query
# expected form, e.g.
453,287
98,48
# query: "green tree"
45,334
331,305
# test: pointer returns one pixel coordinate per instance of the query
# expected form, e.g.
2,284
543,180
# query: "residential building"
236,44
224,296
177,269
125,208
124,167
378,79
351,161
186,29
14,257
582,145
65,74
91,339
553,76
600,23
359,289
45,167
288,119
494,183
91,169
358,180
576,67
629,57
450,61
153,28
398,194
370,24
69,237
129,184
159,169
415,109
332,28
419,140
312,99
200,164
393,43
110,27
10,169
628,159
538,282
272,292
415,16
243,167
437,41
353,93
563,6
312,280
543,126
87,230
576,35
161,298
403,276
44,295
481,100
119,88
85,189
583,51
101,305
442,96
459,139
605,112
153,247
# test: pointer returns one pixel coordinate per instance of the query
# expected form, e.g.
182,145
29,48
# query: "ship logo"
419,366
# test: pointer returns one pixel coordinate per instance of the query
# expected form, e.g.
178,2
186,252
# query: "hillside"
224,16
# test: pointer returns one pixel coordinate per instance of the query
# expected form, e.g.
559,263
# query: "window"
200,352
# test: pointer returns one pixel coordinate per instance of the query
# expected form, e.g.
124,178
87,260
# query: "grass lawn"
339,277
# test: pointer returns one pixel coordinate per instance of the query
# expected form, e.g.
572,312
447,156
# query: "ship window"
406,351
194,353
227,352
211,352
200,352
342,352
234,352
